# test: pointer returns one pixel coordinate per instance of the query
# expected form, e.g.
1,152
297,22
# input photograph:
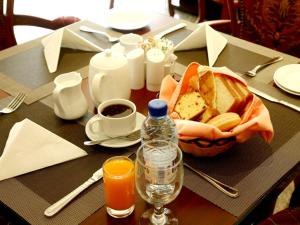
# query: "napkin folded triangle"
30,147
64,38
204,36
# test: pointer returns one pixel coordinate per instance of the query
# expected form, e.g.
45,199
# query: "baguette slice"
190,105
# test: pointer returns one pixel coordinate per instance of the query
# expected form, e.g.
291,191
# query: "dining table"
257,169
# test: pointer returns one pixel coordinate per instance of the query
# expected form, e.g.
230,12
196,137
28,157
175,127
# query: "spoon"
256,69
91,30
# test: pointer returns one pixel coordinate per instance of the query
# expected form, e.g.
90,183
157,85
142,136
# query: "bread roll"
225,121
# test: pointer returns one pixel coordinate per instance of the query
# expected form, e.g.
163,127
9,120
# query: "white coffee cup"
110,122
130,41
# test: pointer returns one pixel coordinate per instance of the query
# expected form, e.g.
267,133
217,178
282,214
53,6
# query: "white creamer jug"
69,100
109,76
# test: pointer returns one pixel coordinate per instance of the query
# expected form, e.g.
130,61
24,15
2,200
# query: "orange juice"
119,183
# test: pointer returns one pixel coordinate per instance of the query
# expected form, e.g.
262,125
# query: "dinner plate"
128,20
114,143
286,90
288,78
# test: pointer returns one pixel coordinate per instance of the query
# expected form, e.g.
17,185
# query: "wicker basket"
202,139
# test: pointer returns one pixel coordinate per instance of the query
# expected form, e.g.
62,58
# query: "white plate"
128,20
115,143
286,90
288,78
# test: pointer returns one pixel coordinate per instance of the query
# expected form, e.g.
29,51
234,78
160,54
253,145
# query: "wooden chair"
271,23
203,9
8,20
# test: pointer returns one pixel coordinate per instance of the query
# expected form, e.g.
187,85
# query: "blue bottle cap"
157,108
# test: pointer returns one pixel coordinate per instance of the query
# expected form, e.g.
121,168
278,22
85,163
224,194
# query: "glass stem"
158,217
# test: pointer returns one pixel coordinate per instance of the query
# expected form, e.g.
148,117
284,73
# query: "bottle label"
160,164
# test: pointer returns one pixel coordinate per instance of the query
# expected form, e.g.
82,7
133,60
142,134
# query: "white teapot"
109,76
69,100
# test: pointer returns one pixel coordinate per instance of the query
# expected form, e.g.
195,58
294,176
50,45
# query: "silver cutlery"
272,99
130,137
226,189
91,30
14,104
256,69
170,30
56,207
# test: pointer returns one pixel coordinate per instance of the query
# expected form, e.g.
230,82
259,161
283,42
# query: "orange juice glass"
118,176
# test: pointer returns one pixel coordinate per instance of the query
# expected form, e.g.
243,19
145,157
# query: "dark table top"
191,207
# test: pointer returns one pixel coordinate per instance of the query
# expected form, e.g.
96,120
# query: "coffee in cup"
116,117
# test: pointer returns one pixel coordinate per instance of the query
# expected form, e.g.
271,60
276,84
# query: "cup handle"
96,84
57,100
91,124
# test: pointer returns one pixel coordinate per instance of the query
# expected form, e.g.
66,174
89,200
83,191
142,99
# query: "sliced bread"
225,100
207,88
190,105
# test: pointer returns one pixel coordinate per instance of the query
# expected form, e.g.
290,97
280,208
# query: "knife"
272,99
56,207
169,30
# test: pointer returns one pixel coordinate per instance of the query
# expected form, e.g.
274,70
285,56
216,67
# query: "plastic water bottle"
158,124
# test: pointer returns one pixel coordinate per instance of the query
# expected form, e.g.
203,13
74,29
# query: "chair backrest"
204,9
8,19
6,25
271,23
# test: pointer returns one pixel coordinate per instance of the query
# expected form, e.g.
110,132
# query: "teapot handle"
56,97
96,84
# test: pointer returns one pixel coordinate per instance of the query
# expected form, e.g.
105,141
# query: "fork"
130,137
256,69
91,30
14,104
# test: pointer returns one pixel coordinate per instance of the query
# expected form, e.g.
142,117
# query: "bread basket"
202,139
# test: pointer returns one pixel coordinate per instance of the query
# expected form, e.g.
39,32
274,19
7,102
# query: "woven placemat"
27,70
243,166
252,167
30,194
245,60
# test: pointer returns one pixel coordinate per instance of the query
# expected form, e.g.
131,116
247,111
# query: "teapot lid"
108,60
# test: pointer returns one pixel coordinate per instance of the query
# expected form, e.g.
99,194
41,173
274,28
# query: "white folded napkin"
64,38
203,36
30,147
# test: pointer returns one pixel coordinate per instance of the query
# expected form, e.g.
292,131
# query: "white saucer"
288,78
128,20
115,143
